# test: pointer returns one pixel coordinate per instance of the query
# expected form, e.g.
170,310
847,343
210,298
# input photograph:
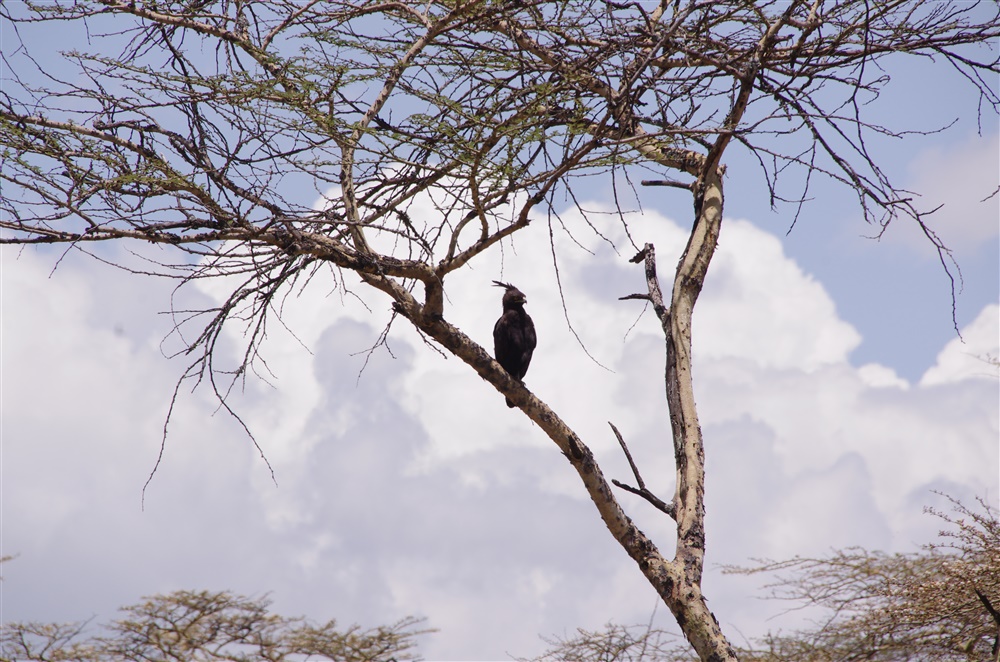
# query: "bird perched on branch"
514,334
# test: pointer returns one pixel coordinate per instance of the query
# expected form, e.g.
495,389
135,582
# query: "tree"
204,626
200,134
616,643
935,604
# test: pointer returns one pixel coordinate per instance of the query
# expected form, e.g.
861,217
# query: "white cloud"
973,356
879,376
412,489
760,306
962,178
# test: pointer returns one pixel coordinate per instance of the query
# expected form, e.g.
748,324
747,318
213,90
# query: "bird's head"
512,297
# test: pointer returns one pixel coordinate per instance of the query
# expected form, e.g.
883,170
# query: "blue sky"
834,396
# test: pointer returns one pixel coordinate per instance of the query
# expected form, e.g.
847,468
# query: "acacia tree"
198,124
942,603
204,626
936,604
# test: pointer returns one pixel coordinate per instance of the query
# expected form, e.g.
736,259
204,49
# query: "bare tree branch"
642,491
197,127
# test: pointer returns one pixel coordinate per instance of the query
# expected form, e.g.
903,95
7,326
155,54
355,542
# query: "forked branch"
642,490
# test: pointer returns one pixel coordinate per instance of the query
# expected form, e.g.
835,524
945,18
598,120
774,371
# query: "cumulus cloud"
760,306
973,356
405,486
961,179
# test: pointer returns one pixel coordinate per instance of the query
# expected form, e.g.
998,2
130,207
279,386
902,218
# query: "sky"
834,396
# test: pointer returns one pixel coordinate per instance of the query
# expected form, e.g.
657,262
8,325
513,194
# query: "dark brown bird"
514,334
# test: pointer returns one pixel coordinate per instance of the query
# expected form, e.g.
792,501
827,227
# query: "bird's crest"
504,285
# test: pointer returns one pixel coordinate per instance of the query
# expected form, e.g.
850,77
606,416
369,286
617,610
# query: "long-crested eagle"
514,334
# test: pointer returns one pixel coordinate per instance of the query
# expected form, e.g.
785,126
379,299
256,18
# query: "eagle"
514,334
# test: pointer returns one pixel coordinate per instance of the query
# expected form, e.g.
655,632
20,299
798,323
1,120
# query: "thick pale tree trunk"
703,629
677,581
686,601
